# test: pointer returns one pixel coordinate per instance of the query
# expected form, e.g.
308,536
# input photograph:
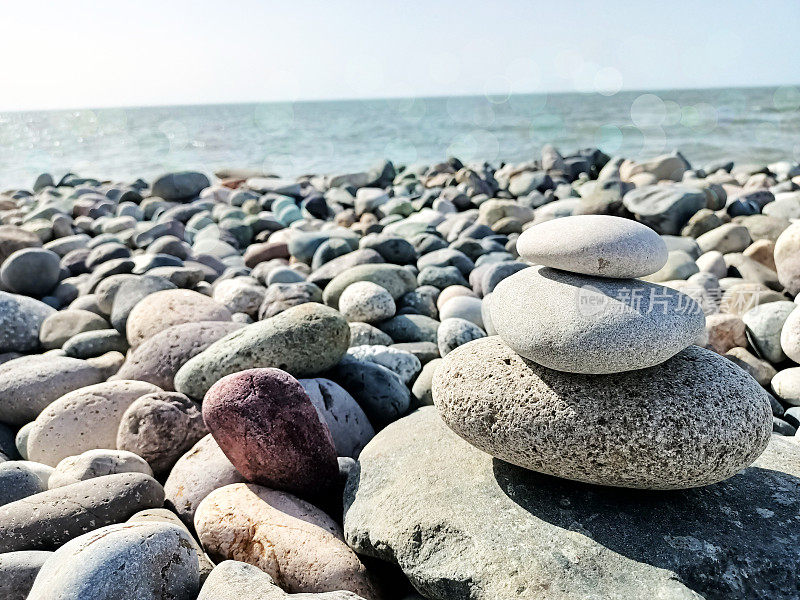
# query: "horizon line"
395,98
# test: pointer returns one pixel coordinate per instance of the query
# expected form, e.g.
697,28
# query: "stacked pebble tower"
608,387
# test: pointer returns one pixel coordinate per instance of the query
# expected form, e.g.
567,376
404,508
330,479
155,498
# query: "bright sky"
81,53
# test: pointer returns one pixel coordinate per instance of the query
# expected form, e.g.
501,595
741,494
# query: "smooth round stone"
61,514
592,325
303,340
790,332
14,238
423,385
786,385
695,420
18,481
181,185
367,302
411,328
365,334
712,262
455,332
594,245
282,296
132,291
166,308
486,277
395,279
325,273
85,419
379,391
679,265
240,295
96,463
345,419
235,580
441,277
32,271
403,364
21,319
29,384
760,370
18,571
159,358
297,544
21,440
167,517
462,307
393,249
94,343
61,326
267,426
787,258
422,301
726,238
453,291
160,428
764,325
197,473
145,561
665,208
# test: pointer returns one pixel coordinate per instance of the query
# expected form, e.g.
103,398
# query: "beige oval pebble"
300,547
166,308
85,419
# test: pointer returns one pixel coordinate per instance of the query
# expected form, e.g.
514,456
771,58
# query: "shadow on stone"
726,540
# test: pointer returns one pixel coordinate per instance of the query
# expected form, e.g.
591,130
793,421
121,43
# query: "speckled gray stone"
397,280
366,302
302,340
349,426
582,324
455,332
47,520
18,481
158,358
594,245
20,320
61,326
18,571
694,420
464,526
366,334
96,463
160,428
403,364
138,561
94,343
29,384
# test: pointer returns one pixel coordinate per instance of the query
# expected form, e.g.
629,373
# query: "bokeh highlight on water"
752,125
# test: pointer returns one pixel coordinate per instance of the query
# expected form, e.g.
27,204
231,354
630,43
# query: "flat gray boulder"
464,526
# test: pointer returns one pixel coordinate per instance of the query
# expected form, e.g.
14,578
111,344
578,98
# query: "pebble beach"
576,376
